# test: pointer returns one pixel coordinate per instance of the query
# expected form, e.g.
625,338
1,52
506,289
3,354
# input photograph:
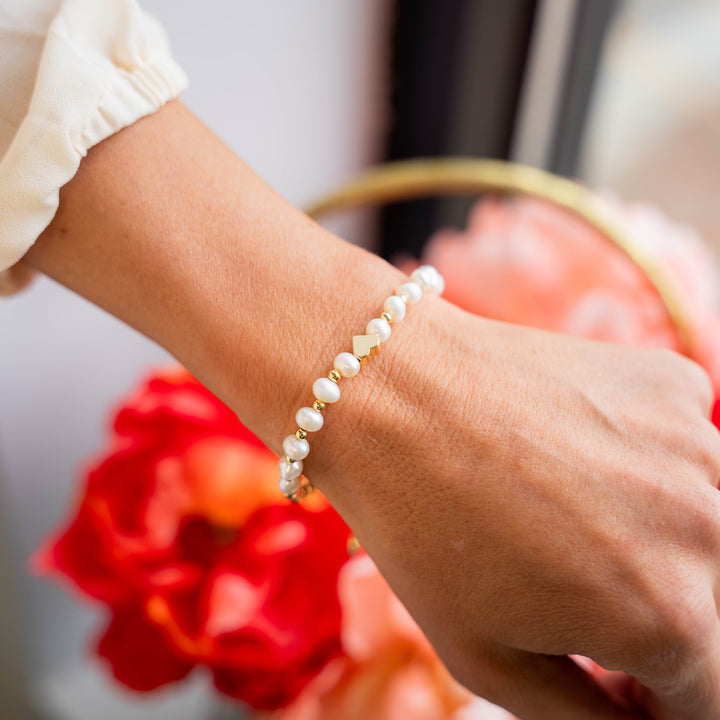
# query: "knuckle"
682,621
686,372
695,379
709,449
671,361
702,447
704,511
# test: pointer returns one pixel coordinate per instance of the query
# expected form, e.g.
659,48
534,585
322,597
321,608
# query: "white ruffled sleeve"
72,72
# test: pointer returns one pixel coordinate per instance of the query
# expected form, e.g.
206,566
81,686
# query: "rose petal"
138,652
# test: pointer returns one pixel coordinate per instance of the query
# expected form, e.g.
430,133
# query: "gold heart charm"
365,346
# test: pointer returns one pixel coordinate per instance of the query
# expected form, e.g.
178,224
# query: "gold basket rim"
426,177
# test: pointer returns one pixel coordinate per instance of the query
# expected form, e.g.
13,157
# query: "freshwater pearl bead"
429,279
379,327
424,280
309,419
396,307
290,470
326,390
411,291
289,486
296,449
347,364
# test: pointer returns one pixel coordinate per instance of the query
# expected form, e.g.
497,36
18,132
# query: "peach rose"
526,261
389,670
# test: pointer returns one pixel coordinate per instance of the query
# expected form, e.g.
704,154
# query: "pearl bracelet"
425,279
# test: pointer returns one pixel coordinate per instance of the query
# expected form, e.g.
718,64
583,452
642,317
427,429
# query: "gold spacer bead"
386,316
300,434
302,492
319,405
334,375
353,545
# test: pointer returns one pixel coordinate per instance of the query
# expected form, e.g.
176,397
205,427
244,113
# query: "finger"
617,684
689,693
709,451
549,687
700,386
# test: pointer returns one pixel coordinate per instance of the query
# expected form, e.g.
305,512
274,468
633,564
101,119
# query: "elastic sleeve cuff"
103,66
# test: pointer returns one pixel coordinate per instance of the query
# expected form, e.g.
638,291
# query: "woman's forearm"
171,232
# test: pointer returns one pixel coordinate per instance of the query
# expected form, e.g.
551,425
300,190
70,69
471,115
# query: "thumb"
549,687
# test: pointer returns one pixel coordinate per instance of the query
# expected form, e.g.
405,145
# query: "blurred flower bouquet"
181,533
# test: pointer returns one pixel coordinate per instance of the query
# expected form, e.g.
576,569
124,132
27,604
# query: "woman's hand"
528,496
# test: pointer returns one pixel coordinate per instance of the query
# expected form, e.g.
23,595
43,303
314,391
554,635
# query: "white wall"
296,88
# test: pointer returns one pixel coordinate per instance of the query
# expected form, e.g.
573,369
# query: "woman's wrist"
164,227
266,347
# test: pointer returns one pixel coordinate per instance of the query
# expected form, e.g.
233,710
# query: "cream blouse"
72,72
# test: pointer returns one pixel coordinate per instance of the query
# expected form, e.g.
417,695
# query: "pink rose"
526,261
389,670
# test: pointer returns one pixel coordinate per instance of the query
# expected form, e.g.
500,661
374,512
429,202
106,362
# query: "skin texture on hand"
527,495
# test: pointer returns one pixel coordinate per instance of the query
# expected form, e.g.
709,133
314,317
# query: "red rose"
182,531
